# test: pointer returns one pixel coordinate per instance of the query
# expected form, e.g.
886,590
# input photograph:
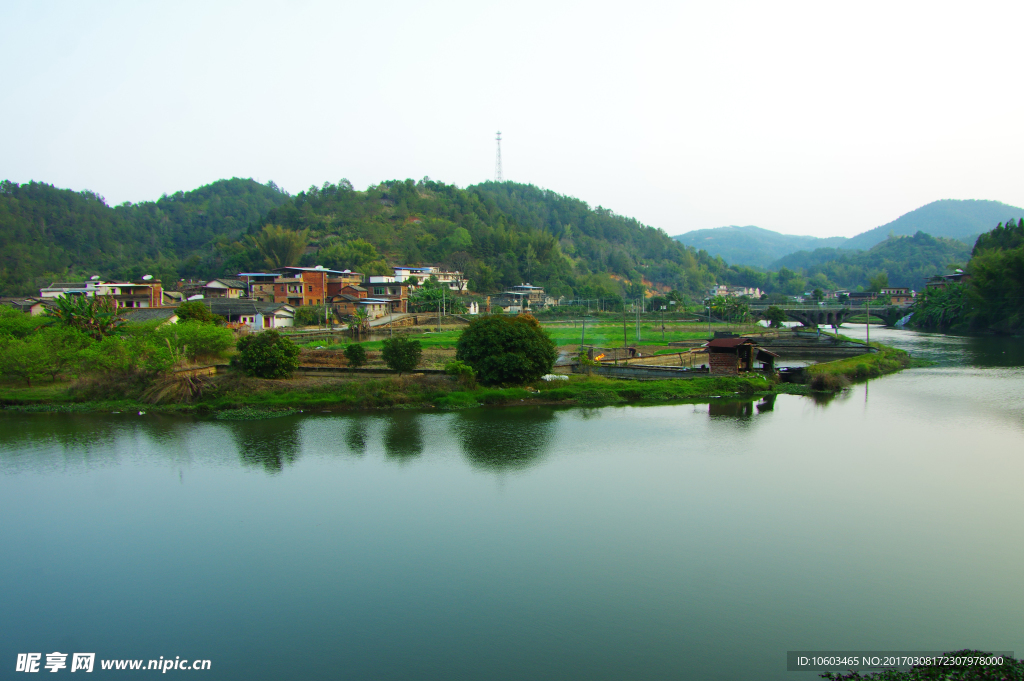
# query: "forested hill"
753,246
949,218
48,233
757,247
905,260
500,233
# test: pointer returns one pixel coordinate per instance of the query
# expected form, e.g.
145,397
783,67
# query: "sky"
815,118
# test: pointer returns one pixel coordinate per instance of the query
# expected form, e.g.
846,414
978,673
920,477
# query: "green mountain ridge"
906,260
752,246
499,233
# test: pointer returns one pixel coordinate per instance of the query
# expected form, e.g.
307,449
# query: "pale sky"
803,117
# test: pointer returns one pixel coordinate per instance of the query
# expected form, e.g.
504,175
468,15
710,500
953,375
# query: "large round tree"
507,350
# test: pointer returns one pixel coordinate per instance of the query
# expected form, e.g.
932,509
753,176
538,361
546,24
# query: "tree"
96,316
24,358
280,247
355,254
193,310
460,262
355,354
878,281
775,316
267,354
818,294
401,354
506,350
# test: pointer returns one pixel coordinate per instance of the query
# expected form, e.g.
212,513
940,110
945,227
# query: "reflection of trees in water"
268,443
510,439
403,435
767,403
357,435
40,441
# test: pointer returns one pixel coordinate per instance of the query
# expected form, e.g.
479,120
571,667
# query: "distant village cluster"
268,300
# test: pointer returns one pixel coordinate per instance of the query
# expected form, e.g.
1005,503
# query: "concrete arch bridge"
832,315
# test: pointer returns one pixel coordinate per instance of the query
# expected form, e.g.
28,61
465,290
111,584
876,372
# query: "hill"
499,233
906,260
757,247
752,246
949,218
49,234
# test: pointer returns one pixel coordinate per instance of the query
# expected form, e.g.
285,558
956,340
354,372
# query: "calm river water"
670,542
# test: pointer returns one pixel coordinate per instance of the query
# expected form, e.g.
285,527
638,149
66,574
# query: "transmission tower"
497,160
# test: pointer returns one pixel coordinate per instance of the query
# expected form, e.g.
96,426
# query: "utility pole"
625,343
662,324
497,161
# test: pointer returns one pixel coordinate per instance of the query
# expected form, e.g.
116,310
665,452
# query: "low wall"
641,372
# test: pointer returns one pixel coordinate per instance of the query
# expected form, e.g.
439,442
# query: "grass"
602,333
240,398
886,361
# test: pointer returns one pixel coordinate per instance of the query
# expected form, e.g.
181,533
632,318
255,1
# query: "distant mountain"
907,260
757,247
949,218
752,246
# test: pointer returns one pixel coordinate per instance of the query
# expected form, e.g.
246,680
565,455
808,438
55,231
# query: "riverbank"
232,392
358,391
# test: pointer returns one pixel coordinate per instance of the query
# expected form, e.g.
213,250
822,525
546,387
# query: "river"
688,541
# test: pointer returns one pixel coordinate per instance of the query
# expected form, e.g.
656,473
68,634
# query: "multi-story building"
145,293
454,280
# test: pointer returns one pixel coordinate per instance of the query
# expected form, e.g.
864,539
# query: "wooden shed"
733,356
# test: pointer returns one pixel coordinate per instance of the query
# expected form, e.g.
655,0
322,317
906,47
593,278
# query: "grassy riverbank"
231,392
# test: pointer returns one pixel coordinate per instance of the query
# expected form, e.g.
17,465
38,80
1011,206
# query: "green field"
606,334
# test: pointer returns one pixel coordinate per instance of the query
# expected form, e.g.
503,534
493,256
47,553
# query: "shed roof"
729,342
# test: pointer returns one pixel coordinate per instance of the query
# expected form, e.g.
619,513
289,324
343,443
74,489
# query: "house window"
379,291
310,288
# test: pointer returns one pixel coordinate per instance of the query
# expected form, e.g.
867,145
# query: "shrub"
506,350
267,354
828,382
197,339
195,311
462,371
355,354
401,354
311,315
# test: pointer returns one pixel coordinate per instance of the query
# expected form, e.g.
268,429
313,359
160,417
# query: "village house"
454,280
255,314
145,293
522,297
898,295
33,306
165,315
226,288
944,280
733,356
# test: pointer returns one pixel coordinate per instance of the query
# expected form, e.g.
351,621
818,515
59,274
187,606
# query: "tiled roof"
148,314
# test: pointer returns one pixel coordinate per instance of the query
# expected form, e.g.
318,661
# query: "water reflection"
357,435
403,436
269,444
515,441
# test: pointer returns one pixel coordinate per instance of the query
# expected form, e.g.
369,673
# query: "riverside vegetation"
52,362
